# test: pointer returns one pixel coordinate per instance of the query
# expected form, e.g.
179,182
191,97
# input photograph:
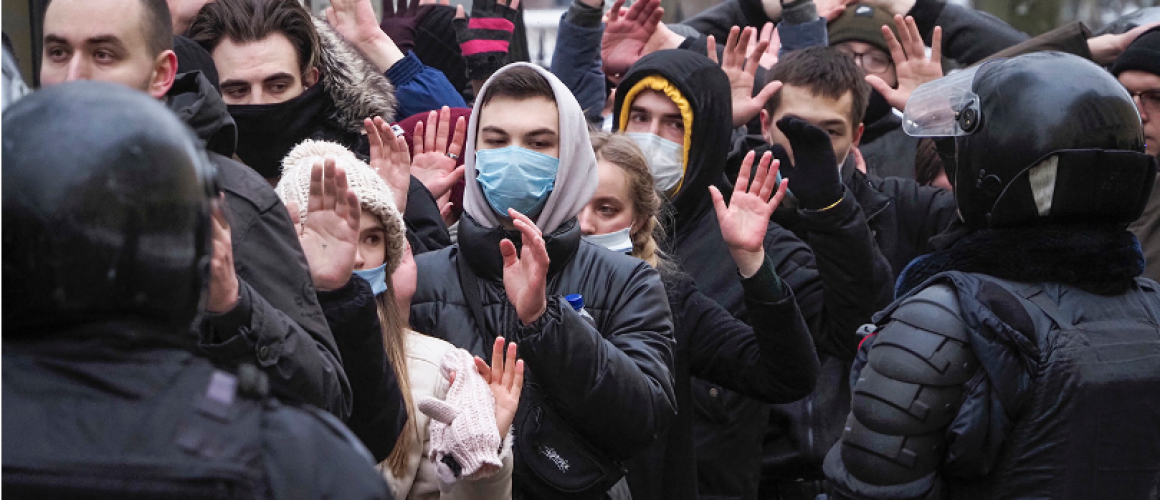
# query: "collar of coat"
1098,259
359,90
480,246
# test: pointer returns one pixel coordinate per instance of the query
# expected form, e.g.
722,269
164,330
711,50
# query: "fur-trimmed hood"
359,90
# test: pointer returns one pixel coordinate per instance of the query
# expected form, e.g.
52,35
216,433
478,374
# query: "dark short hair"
246,21
520,82
824,71
157,26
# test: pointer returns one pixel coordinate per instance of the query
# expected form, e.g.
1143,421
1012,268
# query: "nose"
78,69
654,127
585,218
359,262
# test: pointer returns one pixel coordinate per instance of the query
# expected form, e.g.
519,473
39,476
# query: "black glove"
484,39
814,176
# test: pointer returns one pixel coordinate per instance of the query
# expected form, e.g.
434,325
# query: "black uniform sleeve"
855,279
278,324
617,388
379,414
772,361
906,396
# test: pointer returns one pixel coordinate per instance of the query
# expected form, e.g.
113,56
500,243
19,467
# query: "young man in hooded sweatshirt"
676,104
530,171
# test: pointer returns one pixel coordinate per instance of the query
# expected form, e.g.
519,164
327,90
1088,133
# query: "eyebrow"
278,76
542,131
96,40
674,116
833,122
494,129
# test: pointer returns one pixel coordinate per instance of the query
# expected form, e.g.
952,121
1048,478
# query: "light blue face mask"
514,177
376,276
617,241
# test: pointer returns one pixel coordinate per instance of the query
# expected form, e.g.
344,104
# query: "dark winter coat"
281,323
278,323
831,282
613,383
105,410
1065,348
772,361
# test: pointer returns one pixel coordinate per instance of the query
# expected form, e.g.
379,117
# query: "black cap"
1142,55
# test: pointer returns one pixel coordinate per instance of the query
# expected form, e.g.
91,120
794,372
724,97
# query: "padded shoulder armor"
910,391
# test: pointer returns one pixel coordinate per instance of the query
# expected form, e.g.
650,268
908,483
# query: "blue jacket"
576,62
420,88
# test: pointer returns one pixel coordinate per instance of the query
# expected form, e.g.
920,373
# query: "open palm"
740,62
627,33
525,277
434,161
745,219
506,380
910,61
329,233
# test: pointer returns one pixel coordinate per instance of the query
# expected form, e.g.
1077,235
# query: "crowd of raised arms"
795,250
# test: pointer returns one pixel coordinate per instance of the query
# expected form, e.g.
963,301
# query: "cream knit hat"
373,193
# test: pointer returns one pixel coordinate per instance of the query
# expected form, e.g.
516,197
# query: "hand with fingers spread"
506,379
745,219
223,279
355,20
741,70
400,23
389,158
525,277
484,38
434,160
772,40
626,34
329,232
910,61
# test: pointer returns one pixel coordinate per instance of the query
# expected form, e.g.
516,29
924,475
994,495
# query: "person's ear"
858,134
310,78
765,124
164,72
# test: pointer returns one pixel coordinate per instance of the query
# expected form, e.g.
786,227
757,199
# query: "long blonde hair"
647,229
394,340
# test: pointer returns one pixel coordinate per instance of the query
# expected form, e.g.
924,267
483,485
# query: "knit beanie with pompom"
373,193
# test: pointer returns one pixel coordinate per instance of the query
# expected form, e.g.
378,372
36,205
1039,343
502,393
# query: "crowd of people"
786,250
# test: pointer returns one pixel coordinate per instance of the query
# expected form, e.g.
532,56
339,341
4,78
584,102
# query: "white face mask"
666,159
617,241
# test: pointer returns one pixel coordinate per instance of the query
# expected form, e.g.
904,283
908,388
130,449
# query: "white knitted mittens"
464,440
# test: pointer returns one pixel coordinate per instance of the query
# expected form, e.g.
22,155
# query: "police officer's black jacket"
123,410
831,278
280,323
1053,346
612,383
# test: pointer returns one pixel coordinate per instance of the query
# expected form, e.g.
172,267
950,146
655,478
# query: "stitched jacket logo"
555,458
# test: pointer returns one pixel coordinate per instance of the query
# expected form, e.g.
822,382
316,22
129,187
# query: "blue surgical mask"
617,241
514,177
376,276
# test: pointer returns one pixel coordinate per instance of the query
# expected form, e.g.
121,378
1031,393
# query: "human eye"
638,117
56,53
677,125
372,239
104,56
607,210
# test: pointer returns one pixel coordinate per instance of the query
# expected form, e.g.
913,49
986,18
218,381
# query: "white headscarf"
576,179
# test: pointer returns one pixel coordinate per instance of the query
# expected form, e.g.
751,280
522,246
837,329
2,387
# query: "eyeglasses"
1148,101
871,62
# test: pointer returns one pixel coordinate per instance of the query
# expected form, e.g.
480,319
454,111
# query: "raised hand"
355,21
506,380
525,277
741,70
400,24
910,61
773,45
329,232
832,9
390,159
223,279
434,160
626,34
745,219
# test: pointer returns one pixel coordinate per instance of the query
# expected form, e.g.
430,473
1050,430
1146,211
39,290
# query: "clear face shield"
945,107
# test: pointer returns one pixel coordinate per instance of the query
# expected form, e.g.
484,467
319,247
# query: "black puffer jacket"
278,323
613,383
831,290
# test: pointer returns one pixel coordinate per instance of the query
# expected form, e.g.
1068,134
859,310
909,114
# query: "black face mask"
267,132
876,108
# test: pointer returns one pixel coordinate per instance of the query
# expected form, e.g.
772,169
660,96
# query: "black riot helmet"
1040,138
106,211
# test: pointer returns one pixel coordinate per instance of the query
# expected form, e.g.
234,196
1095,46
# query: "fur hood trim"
358,89
1100,260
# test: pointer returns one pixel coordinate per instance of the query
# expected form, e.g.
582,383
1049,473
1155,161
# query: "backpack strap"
470,284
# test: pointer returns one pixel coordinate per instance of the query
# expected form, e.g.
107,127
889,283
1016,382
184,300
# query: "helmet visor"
943,108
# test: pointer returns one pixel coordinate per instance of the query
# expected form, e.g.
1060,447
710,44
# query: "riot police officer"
107,202
1022,358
